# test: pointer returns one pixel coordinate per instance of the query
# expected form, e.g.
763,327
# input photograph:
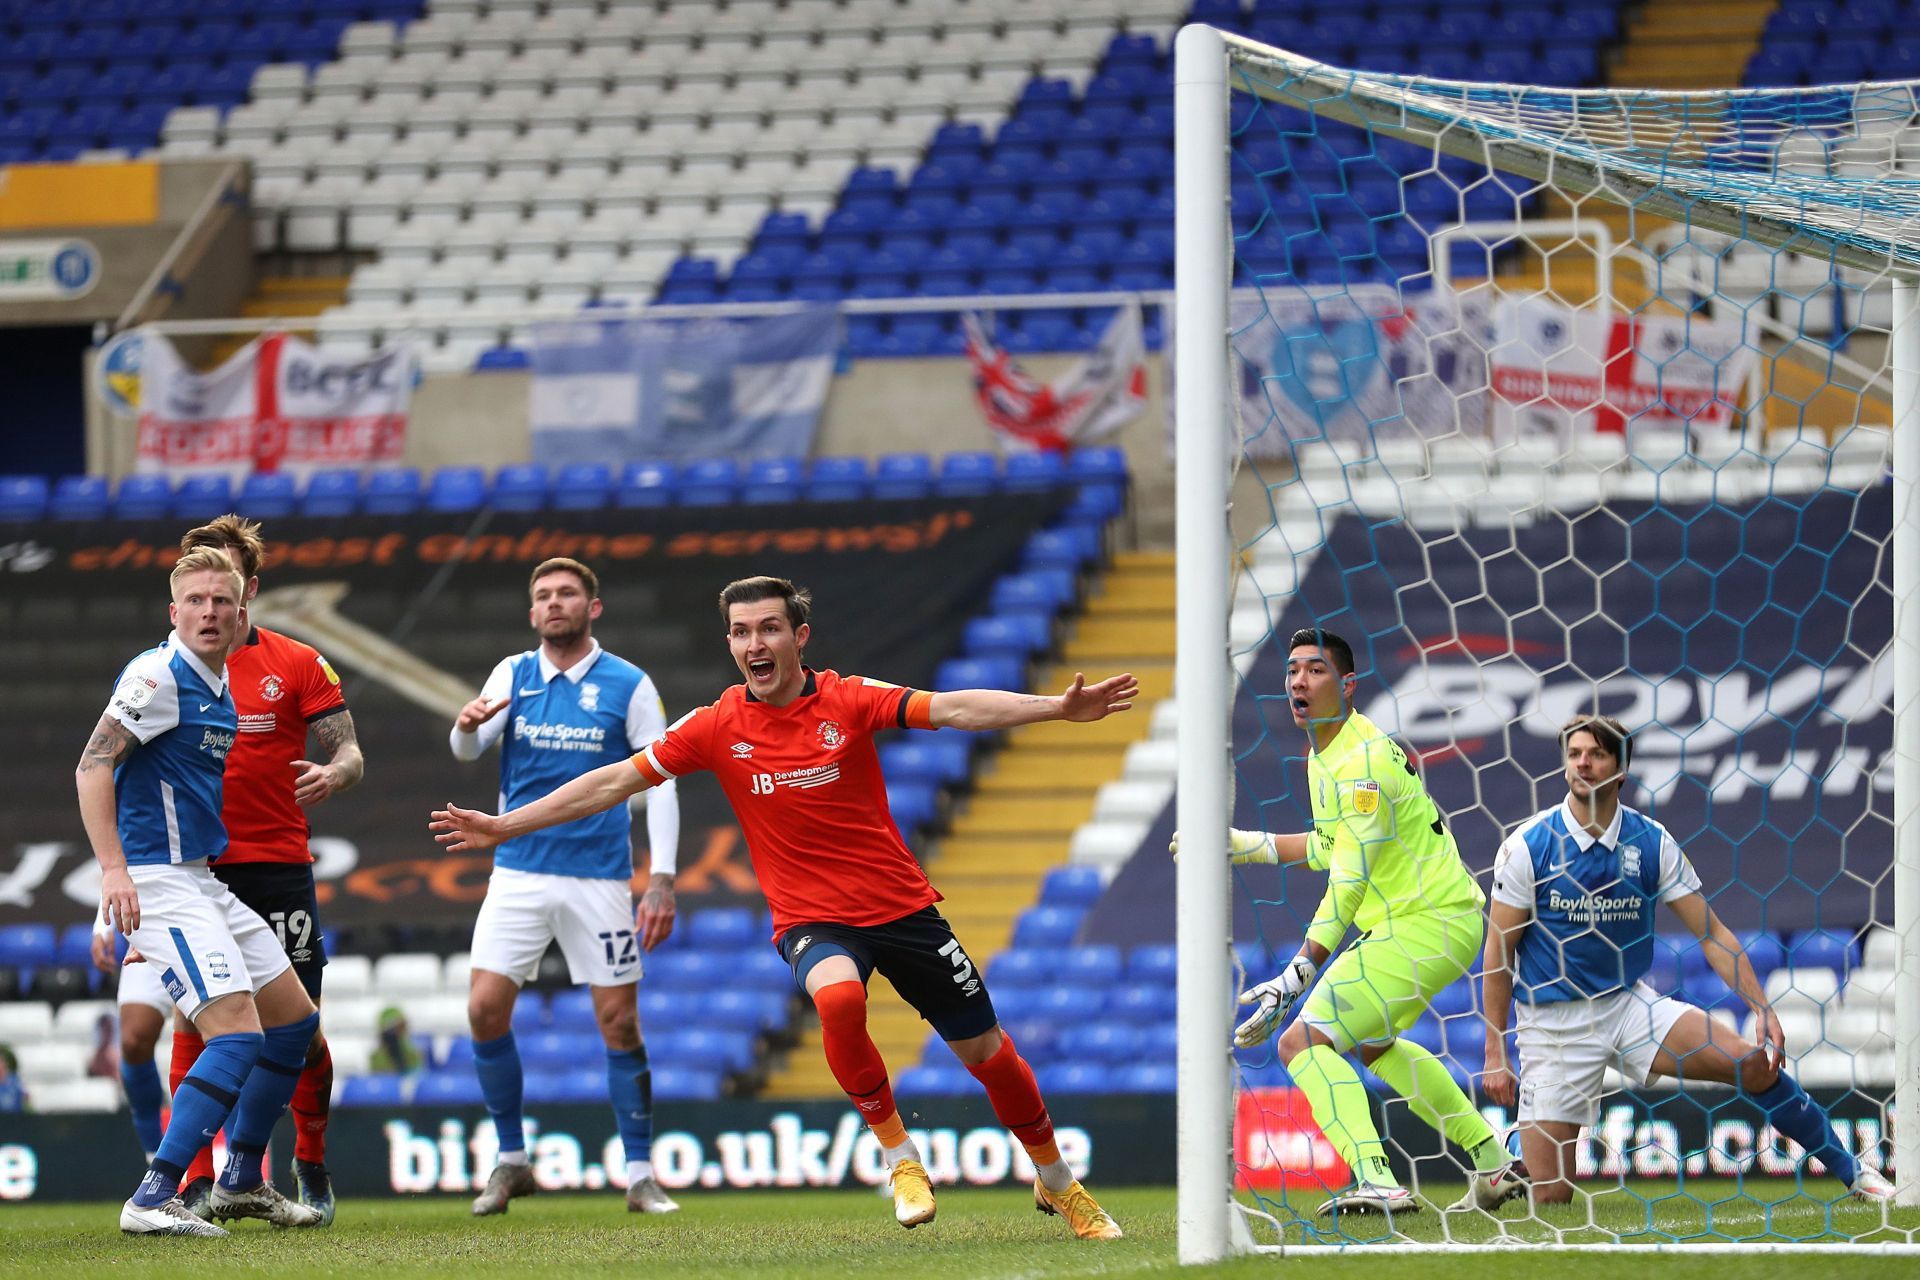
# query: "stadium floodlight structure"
1268,150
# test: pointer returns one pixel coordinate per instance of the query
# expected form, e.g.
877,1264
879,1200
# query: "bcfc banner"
278,405
625,389
1560,372
1091,401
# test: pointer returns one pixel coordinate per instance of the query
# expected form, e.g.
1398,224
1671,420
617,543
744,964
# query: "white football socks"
514,1157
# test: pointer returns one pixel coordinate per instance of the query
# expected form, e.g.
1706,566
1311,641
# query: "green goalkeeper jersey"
1380,838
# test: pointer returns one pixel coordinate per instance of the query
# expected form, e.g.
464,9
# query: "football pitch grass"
979,1233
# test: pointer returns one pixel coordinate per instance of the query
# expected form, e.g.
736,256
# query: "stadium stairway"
1690,44
285,298
1038,791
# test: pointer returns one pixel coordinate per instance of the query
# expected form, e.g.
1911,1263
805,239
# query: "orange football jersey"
280,687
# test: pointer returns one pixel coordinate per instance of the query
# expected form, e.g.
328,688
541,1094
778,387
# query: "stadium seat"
903,475
558,1050
571,1010
1098,965
709,482
143,497
936,1081
202,498
1144,1006
391,491
79,498
967,475
647,484
1153,962
1071,887
913,805
521,487
1034,472
1072,548
1039,589
1076,1077
1047,927
376,1091
582,486
553,1088
1017,635
773,480
453,1088
332,492
1822,948
75,946
452,489
26,945
268,495
837,480
981,673
23,497
724,929
673,1084
1109,1043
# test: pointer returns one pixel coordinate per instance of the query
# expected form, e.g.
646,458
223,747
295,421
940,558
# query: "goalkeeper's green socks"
1431,1093
1339,1103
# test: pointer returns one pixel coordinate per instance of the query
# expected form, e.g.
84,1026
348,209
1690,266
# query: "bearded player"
793,750
1574,890
1395,875
283,691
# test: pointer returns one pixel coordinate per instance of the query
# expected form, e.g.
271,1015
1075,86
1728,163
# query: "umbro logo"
741,750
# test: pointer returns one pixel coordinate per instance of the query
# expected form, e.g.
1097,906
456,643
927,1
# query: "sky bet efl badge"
1366,798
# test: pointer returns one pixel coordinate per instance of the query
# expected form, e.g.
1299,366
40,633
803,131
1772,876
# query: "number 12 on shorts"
620,947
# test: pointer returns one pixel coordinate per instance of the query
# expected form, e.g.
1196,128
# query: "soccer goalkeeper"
1394,873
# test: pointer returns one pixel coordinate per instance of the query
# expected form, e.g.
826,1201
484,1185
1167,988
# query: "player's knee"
316,1048
1293,1042
135,1049
841,1004
1758,1073
489,1019
619,1027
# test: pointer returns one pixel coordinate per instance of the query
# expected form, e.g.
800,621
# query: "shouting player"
793,750
283,691
150,799
1394,873
1573,896
572,707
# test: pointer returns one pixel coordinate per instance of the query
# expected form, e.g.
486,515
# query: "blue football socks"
497,1063
146,1096
200,1106
630,1089
1791,1112
263,1100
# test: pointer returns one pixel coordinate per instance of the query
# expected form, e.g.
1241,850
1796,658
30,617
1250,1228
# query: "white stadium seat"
84,1094
285,81
1130,800
352,1015
455,972
350,1053
443,1015
24,1021
49,1060
349,975
407,974
1152,760
78,1021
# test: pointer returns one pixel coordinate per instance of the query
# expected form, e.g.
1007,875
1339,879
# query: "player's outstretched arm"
111,743
1729,960
469,829
1256,846
982,709
1505,924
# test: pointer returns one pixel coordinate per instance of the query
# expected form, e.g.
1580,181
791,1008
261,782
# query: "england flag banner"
277,405
1354,365
627,389
1559,372
1090,401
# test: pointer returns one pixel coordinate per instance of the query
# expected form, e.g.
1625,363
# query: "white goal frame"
1209,1227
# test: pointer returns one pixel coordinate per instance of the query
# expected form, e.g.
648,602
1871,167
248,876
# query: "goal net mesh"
1558,402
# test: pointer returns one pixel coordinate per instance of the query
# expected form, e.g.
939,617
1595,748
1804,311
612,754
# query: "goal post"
1695,159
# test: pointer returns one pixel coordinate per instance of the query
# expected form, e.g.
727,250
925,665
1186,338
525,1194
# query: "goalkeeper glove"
1242,846
1276,999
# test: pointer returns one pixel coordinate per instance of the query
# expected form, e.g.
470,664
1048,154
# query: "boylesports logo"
559,737
215,743
271,688
1597,908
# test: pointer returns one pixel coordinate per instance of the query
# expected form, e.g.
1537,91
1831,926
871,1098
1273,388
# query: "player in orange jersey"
284,691
793,750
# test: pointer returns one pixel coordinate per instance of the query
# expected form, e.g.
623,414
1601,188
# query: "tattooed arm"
111,743
345,766
994,709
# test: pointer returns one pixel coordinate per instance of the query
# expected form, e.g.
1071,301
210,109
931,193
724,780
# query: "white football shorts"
201,941
1566,1048
140,984
592,920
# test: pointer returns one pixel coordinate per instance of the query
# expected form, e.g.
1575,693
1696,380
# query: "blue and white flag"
626,388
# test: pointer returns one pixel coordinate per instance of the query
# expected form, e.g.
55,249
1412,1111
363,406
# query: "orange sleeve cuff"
648,769
917,711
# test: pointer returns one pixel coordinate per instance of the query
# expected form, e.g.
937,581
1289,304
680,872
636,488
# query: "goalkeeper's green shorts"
1377,987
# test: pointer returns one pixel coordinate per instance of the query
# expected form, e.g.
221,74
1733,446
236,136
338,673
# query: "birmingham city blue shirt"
167,790
1592,901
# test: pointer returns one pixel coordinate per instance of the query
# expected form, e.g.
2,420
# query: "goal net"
1558,402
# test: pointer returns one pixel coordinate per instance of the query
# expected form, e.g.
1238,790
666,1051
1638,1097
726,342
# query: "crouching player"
150,788
1573,896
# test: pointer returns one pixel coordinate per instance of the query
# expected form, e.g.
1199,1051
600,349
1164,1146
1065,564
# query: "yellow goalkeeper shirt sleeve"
1379,837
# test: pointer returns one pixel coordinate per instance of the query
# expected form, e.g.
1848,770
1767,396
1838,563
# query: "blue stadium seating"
452,489
582,1084
1146,1077
268,495
1153,962
333,492
202,497
724,929
581,486
913,805
903,475
521,487
837,480
1098,965
27,945
448,1089
375,1091
1822,948
23,497
673,1084
1048,589
773,480
1076,1077
647,484
981,673
1047,926
76,945
1144,1005
529,1013
929,1081
710,482
79,498
967,475
1072,547
392,491
143,497
1071,887
1022,635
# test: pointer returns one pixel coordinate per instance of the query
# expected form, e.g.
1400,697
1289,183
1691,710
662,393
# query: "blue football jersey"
168,788
1592,901
557,729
